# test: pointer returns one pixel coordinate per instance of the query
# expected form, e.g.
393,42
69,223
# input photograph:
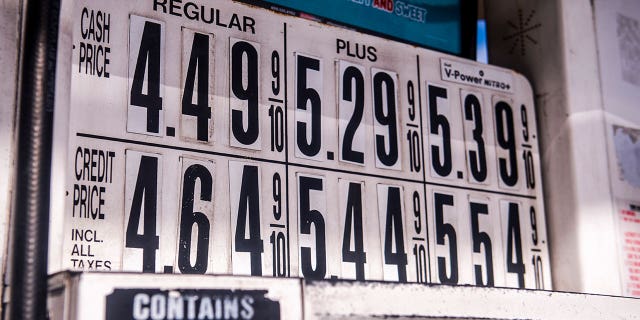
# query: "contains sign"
228,139
146,304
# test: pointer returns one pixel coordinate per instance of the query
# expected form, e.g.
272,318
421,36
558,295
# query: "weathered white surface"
618,38
349,300
617,27
60,135
553,43
10,11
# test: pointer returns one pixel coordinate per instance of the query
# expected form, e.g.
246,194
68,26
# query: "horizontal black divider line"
412,125
299,165
164,146
276,100
275,225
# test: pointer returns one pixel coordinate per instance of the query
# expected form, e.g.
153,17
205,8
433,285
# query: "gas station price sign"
219,138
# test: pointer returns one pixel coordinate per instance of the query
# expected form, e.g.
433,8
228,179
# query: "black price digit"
514,244
477,159
278,246
413,138
507,141
419,251
249,211
275,73
277,128
527,156
188,217
529,169
148,63
198,64
420,254
536,261
384,90
353,227
534,226
525,123
277,238
239,75
352,80
145,193
439,122
411,98
394,234
277,196
275,111
446,230
417,224
481,239
306,94
309,217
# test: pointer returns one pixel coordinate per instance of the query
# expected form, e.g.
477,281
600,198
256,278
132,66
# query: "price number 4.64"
142,227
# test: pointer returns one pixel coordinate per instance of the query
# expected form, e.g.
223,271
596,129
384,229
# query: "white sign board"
227,139
356,300
115,296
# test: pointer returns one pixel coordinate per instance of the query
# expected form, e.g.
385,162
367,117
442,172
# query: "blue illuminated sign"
431,23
